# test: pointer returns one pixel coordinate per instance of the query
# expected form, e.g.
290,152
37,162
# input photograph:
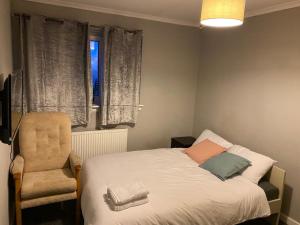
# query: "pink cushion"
204,150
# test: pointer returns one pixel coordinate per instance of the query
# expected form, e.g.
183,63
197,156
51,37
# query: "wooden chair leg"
18,216
78,205
78,212
18,199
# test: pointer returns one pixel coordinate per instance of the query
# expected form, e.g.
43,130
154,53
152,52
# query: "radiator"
88,144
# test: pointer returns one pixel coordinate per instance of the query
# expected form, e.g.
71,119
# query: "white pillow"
208,134
260,164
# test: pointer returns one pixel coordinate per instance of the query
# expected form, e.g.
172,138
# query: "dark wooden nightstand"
182,142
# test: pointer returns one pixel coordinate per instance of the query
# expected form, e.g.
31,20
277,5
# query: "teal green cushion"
226,165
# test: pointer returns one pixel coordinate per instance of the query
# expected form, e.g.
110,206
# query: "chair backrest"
45,141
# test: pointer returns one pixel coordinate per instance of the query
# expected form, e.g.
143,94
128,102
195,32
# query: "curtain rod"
27,16
24,15
102,26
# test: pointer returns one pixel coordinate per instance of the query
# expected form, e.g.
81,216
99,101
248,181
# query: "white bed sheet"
181,193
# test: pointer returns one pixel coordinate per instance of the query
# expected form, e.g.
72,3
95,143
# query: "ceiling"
183,12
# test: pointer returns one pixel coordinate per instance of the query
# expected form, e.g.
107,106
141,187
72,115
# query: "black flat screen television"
11,107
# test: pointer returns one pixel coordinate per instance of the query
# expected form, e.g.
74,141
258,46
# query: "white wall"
5,68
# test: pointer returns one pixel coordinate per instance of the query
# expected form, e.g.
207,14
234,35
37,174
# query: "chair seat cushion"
47,183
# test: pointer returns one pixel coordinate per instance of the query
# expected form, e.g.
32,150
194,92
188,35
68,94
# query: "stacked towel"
124,197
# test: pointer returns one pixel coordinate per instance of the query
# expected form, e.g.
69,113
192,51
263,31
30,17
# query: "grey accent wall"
5,69
249,91
169,71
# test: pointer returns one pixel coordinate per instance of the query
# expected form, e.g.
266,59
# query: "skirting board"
288,220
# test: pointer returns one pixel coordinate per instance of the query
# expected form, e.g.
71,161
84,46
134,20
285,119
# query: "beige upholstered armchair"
46,171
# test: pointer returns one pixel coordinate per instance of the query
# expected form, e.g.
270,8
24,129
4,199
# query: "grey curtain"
55,58
121,76
17,75
16,92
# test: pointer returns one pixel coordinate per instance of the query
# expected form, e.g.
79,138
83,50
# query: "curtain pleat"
121,78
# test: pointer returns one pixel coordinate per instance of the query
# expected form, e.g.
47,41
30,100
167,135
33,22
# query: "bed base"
276,176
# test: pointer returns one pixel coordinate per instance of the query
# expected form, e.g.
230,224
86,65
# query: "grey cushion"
226,165
271,191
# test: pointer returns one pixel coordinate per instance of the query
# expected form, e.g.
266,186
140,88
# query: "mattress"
180,191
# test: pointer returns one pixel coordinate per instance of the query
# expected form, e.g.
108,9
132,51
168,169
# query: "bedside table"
182,142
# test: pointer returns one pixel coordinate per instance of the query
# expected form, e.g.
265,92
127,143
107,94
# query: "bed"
180,191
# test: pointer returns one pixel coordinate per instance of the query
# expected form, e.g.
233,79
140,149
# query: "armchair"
46,170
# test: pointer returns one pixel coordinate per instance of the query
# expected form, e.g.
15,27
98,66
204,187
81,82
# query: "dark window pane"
94,51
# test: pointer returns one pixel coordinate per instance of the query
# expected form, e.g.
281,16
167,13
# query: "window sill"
96,107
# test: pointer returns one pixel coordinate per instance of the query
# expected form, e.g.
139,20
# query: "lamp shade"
222,13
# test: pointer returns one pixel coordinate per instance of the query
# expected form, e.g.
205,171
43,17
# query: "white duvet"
181,193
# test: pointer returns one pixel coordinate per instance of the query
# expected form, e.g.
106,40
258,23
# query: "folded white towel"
115,207
120,195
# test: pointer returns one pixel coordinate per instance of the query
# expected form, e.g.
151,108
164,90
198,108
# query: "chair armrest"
18,167
75,163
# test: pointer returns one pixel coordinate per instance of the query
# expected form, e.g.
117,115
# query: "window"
95,70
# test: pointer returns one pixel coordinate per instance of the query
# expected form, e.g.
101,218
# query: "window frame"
100,49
